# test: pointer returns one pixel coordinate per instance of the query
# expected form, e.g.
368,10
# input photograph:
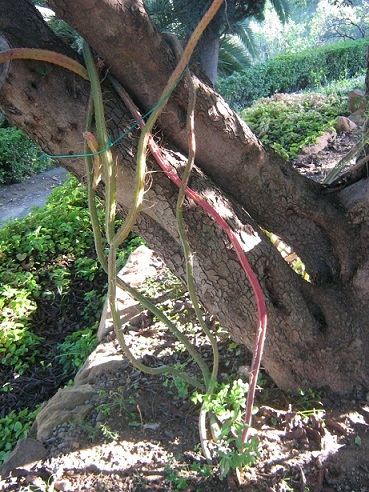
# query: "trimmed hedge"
295,72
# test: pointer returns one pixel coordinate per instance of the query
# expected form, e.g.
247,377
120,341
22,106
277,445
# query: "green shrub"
13,427
19,156
76,348
18,345
48,264
37,255
288,123
43,258
295,72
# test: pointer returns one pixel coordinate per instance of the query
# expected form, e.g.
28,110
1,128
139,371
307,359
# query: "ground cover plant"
51,294
290,122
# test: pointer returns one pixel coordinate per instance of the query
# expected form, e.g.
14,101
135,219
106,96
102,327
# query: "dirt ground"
141,436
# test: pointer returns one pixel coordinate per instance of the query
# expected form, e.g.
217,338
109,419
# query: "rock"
344,124
141,264
25,454
127,309
62,485
103,360
356,100
359,117
322,142
67,405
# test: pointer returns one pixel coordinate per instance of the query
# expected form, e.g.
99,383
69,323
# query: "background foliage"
19,156
295,72
288,123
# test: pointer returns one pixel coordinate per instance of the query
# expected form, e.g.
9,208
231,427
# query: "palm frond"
282,9
233,57
243,31
169,16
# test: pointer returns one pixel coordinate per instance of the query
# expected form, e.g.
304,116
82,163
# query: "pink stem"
259,296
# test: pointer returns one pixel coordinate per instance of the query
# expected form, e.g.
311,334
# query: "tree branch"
230,154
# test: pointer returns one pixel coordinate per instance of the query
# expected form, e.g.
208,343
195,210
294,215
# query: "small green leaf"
358,441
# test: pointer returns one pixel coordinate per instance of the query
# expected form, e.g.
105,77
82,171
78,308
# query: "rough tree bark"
318,331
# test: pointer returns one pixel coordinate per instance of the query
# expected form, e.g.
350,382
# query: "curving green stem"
110,266
176,75
91,195
144,142
46,56
112,281
103,141
190,123
141,162
146,132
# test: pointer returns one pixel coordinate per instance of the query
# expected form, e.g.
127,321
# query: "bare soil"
142,436
317,166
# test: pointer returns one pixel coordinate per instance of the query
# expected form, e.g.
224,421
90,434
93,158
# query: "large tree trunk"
318,331
208,51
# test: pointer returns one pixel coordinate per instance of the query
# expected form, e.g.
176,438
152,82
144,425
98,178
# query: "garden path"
17,200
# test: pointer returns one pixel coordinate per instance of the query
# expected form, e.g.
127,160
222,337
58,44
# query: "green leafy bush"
13,427
288,123
76,348
48,264
19,156
295,72
18,348
227,403
37,255
42,258
45,257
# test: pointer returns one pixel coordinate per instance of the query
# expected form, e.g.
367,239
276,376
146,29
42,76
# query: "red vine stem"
259,296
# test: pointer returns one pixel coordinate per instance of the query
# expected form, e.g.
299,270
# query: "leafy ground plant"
289,123
47,268
76,348
13,427
227,404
